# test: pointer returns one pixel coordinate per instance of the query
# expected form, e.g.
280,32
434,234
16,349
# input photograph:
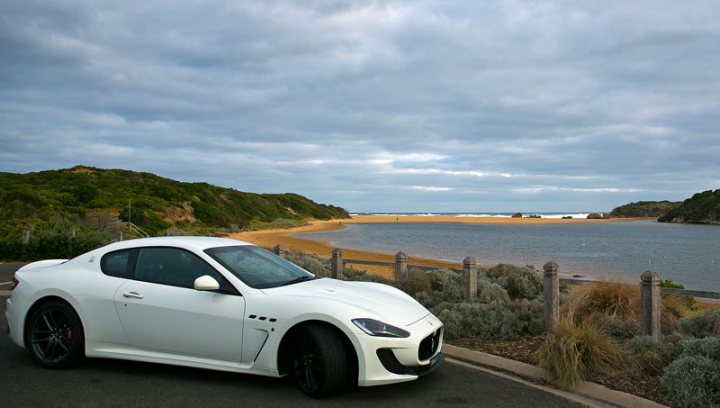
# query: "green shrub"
650,356
622,329
310,262
530,315
474,319
352,274
417,282
693,381
706,347
446,286
520,281
703,325
492,293
668,283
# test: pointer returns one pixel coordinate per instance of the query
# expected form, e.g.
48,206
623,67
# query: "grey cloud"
586,104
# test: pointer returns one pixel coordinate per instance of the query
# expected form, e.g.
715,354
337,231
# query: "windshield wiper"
300,279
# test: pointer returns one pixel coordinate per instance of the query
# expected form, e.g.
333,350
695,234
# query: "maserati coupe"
221,304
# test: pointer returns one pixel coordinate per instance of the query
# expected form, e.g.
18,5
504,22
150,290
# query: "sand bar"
270,237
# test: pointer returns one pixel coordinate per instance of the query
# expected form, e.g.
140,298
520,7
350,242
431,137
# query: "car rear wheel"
319,363
55,335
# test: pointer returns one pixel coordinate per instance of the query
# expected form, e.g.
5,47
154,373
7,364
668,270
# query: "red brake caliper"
69,334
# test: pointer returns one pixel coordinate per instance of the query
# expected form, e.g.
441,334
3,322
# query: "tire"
55,336
319,362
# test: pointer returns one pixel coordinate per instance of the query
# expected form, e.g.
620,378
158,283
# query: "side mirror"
206,283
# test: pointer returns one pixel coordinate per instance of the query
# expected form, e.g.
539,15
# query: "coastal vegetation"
701,208
644,209
69,211
597,338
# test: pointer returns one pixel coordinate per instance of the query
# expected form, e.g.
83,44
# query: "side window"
117,263
176,267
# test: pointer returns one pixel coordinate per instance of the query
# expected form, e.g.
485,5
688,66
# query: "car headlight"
379,329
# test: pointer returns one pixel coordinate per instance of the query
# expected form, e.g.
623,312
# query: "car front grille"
430,345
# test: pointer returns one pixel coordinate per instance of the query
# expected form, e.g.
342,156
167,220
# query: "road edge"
586,389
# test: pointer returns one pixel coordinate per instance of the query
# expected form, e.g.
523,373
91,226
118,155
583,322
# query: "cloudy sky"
375,106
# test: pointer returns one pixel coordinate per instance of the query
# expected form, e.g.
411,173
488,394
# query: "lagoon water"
687,254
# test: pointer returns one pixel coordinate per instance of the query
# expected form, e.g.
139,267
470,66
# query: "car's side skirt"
122,352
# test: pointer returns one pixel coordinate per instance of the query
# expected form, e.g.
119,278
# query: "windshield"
257,267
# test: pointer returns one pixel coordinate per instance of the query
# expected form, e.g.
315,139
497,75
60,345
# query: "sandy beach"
271,237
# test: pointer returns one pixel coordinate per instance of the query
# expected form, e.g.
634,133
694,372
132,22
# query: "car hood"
372,300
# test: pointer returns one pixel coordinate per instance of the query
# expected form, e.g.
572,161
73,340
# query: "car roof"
188,242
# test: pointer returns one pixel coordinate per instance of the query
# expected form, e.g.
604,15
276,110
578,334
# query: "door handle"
133,295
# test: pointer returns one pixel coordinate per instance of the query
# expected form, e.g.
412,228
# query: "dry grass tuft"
674,308
573,351
612,299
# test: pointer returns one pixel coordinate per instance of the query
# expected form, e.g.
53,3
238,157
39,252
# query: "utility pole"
130,211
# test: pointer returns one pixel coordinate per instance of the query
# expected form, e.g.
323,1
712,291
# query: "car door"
160,311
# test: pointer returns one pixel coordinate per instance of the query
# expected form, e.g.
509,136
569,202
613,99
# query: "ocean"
686,254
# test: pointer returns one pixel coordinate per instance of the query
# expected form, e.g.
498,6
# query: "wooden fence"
650,289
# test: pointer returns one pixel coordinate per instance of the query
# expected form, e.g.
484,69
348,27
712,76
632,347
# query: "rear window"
117,263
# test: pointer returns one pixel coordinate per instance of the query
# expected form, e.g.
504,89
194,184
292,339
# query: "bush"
474,319
352,274
693,381
619,302
416,282
674,308
446,286
521,282
621,329
310,262
530,315
706,324
320,266
573,351
649,356
492,293
668,283
706,347
612,299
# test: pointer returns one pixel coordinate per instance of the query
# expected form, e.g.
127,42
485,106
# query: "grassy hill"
643,209
701,208
91,201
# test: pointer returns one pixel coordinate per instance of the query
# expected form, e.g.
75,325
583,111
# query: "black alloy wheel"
55,335
319,363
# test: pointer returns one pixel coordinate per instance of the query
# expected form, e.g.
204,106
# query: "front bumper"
388,360
391,360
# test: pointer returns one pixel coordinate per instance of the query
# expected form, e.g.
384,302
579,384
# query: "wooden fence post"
401,272
470,275
551,295
26,236
336,264
650,304
279,250
119,236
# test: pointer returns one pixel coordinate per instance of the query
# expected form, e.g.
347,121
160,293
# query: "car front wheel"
319,363
55,335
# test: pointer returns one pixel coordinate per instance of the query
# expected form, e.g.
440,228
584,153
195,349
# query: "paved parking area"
99,382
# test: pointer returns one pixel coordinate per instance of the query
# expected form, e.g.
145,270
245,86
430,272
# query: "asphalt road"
100,382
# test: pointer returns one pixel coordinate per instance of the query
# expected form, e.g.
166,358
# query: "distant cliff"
644,209
701,208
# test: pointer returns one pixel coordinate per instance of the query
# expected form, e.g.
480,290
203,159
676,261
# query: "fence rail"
650,290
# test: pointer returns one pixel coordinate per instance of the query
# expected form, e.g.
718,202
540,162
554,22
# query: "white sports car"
220,304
